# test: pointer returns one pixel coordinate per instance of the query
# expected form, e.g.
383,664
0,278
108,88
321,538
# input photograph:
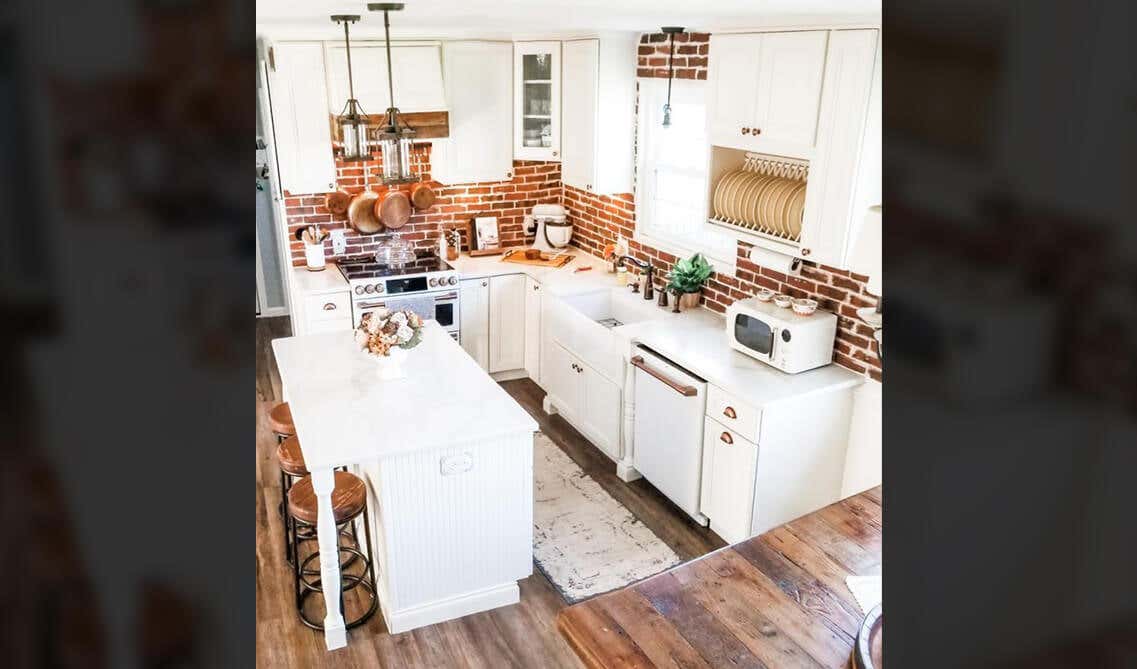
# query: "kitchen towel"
423,305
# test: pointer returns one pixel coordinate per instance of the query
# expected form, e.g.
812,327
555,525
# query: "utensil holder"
314,257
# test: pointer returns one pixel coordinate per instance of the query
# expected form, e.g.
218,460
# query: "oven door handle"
686,391
371,305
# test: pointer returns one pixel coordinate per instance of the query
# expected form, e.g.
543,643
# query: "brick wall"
599,219
534,182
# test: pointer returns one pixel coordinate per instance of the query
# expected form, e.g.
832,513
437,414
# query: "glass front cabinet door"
537,101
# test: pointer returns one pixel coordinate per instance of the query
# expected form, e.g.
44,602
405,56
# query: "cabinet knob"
485,283
330,306
509,174
554,153
755,131
331,186
726,438
746,131
729,412
536,288
805,252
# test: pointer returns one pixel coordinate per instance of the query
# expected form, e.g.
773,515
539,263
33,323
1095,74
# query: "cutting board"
547,259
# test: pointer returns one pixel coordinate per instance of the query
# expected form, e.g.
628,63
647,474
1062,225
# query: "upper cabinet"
417,70
537,100
599,78
478,79
765,91
299,102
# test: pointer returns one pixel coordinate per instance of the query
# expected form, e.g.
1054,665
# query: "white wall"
863,457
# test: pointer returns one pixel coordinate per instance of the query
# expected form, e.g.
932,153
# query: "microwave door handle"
771,346
686,391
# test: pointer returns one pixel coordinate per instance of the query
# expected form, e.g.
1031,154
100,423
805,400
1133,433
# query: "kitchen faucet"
647,268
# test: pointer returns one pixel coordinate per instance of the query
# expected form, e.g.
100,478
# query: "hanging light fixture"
670,31
394,136
352,121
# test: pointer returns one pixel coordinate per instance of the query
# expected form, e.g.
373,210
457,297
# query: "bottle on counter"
622,275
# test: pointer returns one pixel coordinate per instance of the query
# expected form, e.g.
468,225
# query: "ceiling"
518,19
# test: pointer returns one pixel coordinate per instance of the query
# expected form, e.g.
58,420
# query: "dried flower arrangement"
383,329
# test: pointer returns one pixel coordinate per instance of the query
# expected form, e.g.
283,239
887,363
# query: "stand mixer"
552,227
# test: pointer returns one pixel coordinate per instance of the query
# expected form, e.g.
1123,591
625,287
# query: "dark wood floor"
523,635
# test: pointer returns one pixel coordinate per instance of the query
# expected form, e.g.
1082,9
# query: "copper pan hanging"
393,209
361,213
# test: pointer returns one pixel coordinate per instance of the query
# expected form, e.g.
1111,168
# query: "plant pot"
390,366
690,300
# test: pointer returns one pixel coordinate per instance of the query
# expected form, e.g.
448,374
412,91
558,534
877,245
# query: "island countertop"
345,414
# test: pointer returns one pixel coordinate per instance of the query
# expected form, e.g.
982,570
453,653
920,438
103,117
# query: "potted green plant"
687,279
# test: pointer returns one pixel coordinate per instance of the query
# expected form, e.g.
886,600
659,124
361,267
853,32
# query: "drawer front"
337,325
329,307
733,414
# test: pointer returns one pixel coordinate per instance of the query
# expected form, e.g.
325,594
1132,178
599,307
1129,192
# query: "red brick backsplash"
533,182
689,61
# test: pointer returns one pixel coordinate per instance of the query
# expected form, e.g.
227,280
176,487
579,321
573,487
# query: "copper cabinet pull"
805,252
746,131
686,391
330,306
729,412
755,131
726,438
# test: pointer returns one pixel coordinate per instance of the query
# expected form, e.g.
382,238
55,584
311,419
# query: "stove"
428,285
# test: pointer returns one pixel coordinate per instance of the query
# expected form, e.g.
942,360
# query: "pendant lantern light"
670,31
352,121
394,136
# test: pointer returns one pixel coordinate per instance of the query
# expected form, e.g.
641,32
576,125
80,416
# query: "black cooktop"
365,267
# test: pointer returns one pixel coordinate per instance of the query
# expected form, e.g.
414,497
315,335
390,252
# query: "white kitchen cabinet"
729,488
533,329
299,102
506,322
766,91
474,319
478,80
600,405
844,179
417,69
599,93
537,100
561,382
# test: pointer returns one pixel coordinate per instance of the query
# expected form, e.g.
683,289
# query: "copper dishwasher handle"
729,412
686,391
726,438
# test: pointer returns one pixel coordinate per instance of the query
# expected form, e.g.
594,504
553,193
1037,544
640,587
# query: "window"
671,173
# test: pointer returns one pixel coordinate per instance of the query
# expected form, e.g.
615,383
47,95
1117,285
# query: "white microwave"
780,338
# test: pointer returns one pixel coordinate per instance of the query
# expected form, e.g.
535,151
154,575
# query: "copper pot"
393,209
338,201
361,213
422,196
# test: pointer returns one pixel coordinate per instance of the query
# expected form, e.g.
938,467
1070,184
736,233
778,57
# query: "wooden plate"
868,652
780,201
745,192
768,206
733,180
750,211
720,190
797,206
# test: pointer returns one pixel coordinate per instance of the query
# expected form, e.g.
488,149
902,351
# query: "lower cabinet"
324,312
587,399
493,323
474,319
533,329
727,495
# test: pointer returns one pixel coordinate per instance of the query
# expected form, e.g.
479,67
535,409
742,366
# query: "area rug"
584,541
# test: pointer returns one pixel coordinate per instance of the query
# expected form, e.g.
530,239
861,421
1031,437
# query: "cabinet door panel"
479,97
789,91
474,319
732,481
600,411
533,329
507,322
561,379
417,71
300,118
580,69
733,74
537,101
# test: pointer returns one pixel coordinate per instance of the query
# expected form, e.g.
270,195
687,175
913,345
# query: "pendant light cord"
670,66
390,79
347,47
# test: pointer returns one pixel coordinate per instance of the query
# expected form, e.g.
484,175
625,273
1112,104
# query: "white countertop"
330,280
345,414
696,340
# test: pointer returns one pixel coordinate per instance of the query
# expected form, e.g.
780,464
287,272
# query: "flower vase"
390,366
690,300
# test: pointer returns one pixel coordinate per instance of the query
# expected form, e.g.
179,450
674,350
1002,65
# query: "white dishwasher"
670,403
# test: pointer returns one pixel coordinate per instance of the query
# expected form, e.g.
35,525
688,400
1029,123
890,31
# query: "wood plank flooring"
523,635
776,600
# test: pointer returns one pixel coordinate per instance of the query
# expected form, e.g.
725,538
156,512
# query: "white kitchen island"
447,456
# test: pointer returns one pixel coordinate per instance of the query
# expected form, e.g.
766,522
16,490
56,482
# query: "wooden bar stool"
280,421
349,501
290,461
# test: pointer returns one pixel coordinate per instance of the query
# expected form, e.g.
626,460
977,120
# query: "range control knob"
359,290
453,281
379,288
434,281
367,289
